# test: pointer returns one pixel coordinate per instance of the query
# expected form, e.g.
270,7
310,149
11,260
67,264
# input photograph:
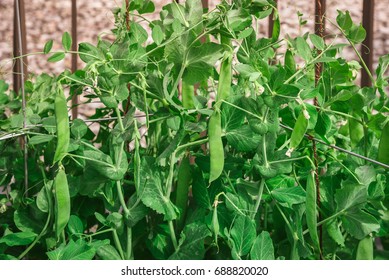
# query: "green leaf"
56,57
243,235
40,139
157,34
262,248
26,223
79,250
243,139
108,252
290,196
303,49
137,210
357,34
104,165
383,147
351,195
75,225
191,245
48,46
18,238
89,53
151,192
366,174
78,128
334,232
344,20
317,41
42,201
66,41
299,130
359,223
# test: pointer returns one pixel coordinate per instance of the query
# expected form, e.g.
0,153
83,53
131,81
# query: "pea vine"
211,143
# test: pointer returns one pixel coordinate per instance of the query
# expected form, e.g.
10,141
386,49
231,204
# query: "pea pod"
183,184
365,249
216,149
62,123
214,127
62,201
187,95
215,222
383,148
311,210
298,132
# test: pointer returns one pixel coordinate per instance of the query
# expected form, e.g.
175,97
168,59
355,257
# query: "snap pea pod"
383,148
62,123
311,213
214,127
216,149
299,130
365,249
225,77
62,201
187,92
183,184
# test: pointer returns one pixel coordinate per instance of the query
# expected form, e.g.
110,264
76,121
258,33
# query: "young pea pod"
187,95
311,210
62,201
225,77
216,148
214,127
183,184
62,123
383,148
365,249
298,132
215,227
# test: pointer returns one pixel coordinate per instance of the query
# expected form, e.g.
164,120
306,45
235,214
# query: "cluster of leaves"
146,184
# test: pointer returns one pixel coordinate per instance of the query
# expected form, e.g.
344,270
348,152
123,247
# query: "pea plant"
212,143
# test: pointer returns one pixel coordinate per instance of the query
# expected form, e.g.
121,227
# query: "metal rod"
20,43
19,46
74,56
271,23
340,149
367,46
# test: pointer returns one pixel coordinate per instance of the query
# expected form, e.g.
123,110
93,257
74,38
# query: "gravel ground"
48,19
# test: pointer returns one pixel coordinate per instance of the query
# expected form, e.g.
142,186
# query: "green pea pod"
290,64
216,149
311,210
383,148
365,249
215,223
183,184
225,77
298,132
214,127
62,123
187,95
62,201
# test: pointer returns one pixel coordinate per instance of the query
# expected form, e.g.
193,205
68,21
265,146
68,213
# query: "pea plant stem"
259,197
117,243
120,191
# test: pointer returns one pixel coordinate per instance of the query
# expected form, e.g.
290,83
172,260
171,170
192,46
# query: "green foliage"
204,148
